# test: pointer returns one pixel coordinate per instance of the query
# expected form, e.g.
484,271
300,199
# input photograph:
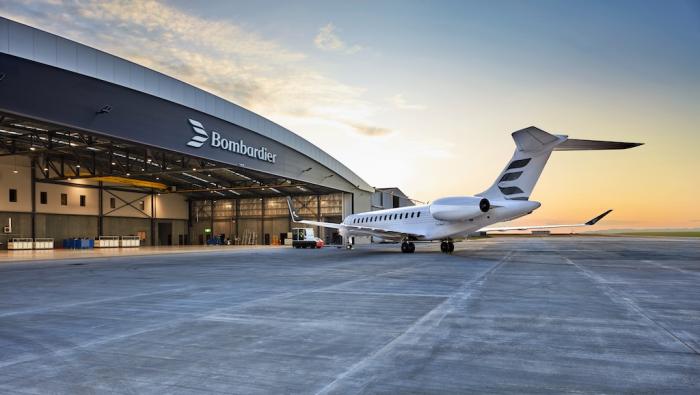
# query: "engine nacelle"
459,208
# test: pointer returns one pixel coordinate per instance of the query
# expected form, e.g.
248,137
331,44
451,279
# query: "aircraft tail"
533,147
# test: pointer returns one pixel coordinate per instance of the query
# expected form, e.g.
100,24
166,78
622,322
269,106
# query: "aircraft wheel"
411,248
450,247
349,246
443,247
404,247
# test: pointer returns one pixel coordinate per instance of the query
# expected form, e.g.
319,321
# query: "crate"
43,244
20,243
107,242
130,241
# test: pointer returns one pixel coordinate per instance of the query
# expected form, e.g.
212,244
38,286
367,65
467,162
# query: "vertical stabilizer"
518,179
532,149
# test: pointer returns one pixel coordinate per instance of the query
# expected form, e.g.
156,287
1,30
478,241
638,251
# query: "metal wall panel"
105,67
136,77
4,38
87,61
45,48
121,72
21,40
67,55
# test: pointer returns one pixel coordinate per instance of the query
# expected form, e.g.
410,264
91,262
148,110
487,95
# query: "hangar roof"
43,47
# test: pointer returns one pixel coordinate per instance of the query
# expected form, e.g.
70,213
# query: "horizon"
432,91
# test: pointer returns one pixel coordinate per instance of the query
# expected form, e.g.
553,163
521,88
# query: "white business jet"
454,218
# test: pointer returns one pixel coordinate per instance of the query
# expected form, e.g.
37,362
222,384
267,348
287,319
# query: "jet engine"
459,208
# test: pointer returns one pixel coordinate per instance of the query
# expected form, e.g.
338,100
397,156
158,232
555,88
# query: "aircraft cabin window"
418,214
412,214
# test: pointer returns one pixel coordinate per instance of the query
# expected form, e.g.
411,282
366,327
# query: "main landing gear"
408,247
447,247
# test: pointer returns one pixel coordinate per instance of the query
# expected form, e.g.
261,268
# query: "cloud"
219,56
328,40
399,102
367,130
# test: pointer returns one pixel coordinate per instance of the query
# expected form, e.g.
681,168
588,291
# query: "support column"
100,214
238,219
318,216
189,222
211,220
262,221
153,218
33,198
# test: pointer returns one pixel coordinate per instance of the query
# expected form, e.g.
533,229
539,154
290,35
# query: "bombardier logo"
217,141
200,135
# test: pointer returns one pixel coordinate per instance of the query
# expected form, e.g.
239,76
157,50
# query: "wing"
507,228
381,232
297,218
355,229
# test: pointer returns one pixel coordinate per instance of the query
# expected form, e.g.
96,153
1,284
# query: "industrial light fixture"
114,163
32,148
128,174
104,110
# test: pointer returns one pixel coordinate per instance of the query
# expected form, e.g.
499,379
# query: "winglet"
295,216
598,218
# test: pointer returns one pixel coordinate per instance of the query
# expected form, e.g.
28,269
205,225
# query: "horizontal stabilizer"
598,218
526,227
584,145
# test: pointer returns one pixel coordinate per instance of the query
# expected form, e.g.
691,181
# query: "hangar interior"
62,183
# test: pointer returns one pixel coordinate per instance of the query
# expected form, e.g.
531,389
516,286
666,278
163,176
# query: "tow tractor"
304,238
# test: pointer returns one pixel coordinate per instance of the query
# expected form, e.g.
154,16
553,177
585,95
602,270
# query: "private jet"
453,218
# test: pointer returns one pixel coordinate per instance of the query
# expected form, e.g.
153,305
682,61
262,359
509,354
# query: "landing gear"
447,247
408,247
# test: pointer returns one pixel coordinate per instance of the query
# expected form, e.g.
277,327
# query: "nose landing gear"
408,247
447,247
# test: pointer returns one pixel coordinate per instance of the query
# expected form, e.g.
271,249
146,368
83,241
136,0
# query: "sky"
423,95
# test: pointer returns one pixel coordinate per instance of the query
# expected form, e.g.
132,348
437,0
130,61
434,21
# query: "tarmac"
500,315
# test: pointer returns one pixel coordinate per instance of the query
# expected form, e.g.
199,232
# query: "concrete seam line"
625,301
429,320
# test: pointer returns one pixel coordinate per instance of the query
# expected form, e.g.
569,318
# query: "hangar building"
92,144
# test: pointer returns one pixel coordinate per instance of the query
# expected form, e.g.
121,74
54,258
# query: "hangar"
92,145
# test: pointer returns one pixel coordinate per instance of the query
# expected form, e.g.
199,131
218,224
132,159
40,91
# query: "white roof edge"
43,47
